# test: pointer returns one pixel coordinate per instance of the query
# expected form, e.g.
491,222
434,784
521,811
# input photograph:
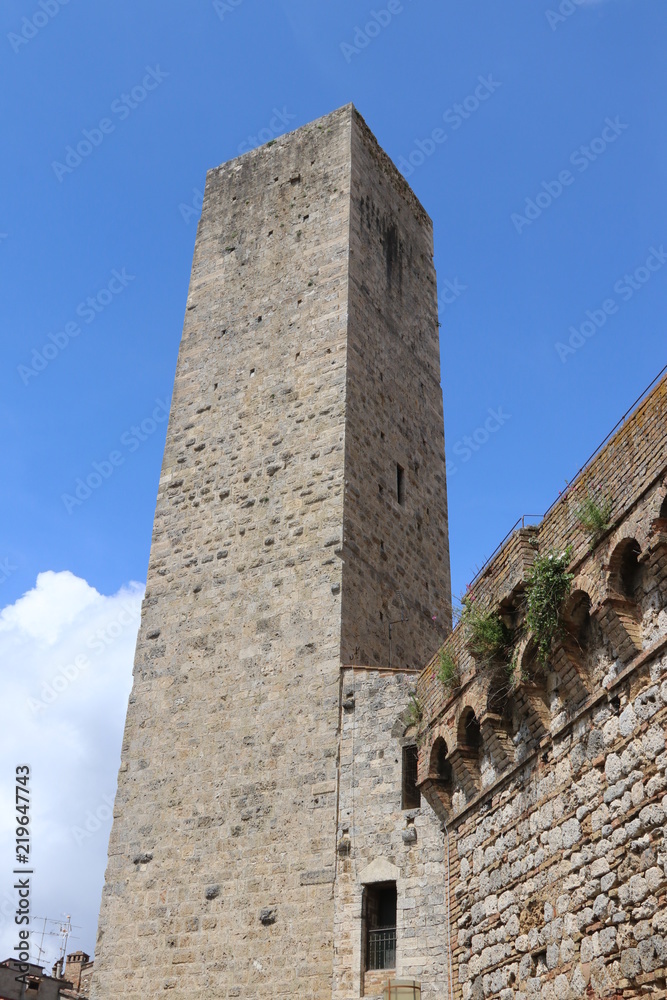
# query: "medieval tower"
300,533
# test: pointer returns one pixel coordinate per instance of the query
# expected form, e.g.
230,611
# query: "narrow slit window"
400,484
411,794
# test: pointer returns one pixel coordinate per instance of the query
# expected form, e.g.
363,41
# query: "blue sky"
224,72
546,188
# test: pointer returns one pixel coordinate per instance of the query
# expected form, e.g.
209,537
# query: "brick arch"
467,754
590,581
468,731
620,613
531,669
439,765
496,694
625,569
438,786
580,637
577,620
531,702
497,720
512,608
657,543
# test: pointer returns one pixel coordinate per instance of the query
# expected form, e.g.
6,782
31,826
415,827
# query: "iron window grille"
382,948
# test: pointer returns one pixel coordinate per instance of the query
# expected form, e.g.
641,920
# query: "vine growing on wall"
487,636
548,585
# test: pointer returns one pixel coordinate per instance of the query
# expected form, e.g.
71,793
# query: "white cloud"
66,653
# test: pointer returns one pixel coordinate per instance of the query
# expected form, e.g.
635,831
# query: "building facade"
300,533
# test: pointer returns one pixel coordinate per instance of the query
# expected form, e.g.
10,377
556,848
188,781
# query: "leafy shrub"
548,585
486,634
594,514
448,672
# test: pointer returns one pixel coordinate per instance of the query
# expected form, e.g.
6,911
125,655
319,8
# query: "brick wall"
557,817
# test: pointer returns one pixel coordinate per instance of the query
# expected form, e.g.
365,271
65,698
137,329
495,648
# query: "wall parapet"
636,498
550,772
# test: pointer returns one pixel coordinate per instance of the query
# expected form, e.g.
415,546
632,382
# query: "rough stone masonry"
551,777
301,514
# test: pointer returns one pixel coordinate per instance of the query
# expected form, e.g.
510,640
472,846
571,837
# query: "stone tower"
301,509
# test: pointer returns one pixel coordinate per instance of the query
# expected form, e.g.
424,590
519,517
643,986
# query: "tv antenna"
64,932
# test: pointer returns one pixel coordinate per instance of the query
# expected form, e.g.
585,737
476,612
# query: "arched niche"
497,721
440,768
467,755
531,698
574,651
620,613
577,621
469,732
439,785
626,570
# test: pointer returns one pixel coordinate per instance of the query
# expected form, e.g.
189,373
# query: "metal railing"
382,948
536,518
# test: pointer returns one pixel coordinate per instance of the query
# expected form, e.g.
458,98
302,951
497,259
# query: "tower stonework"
301,510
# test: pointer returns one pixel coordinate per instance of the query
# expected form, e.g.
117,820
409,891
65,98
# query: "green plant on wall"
594,514
486,634
512,675
448,671
548,585
415,712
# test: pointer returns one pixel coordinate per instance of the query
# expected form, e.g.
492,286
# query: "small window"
379,909
400,484
411,794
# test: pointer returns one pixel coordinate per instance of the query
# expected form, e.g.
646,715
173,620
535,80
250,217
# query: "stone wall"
380,841
265,573
394,418
556,808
